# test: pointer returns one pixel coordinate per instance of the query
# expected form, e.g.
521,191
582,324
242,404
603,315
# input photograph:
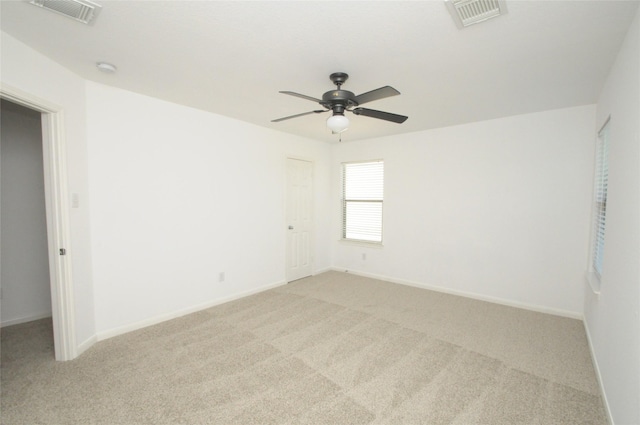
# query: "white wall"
179,195
26,294
612,319
496,209
25,69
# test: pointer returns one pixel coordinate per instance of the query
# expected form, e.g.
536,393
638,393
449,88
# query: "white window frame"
600,194
351,200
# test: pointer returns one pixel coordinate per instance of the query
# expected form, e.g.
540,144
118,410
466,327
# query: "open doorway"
25,294
60,288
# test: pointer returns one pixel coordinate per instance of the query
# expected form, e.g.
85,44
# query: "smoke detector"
106,67
80,10
469,12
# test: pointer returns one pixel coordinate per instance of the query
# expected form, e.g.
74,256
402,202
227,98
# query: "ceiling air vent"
81,10
469,12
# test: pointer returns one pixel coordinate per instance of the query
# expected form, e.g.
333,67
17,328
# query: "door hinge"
63,251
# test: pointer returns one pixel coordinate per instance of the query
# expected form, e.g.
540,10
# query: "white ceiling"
232,57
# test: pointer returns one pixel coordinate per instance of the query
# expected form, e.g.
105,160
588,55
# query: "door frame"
285,217
58,236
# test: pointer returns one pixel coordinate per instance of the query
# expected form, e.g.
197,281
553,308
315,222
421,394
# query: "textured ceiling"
232,57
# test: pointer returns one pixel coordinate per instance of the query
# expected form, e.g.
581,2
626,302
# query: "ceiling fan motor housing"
338,100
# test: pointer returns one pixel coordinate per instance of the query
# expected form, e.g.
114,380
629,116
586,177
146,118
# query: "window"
362,195
600,198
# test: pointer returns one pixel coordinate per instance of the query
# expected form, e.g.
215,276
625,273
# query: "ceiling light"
337,123
107,68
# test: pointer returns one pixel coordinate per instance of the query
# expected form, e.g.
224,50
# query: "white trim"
100,336
25,99
26,319
594,360
55,179
594,281
323,270
472,295
84,346
606,121
364,244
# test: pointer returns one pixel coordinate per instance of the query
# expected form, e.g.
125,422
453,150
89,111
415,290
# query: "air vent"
469,12
80,10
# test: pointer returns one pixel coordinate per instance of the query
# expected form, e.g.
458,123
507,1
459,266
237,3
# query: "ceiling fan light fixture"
337,123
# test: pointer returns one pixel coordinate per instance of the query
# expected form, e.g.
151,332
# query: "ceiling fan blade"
299,115
381,93
387,116
291,93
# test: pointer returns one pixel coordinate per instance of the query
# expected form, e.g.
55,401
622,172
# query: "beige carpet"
330,349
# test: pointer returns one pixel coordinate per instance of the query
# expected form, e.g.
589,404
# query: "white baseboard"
495,300
594,360
26,319
86,345
325,269
100,336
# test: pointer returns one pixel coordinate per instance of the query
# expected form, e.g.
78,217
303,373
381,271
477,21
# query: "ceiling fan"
338,101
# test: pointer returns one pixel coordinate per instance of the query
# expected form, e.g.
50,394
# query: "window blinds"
600,201
362,194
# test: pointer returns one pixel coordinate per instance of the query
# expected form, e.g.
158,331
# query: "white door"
299,218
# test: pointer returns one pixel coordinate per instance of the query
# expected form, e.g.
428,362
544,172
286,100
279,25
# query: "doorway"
57,218
299,216
26,292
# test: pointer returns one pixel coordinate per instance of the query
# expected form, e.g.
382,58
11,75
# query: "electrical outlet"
221,277
364,255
